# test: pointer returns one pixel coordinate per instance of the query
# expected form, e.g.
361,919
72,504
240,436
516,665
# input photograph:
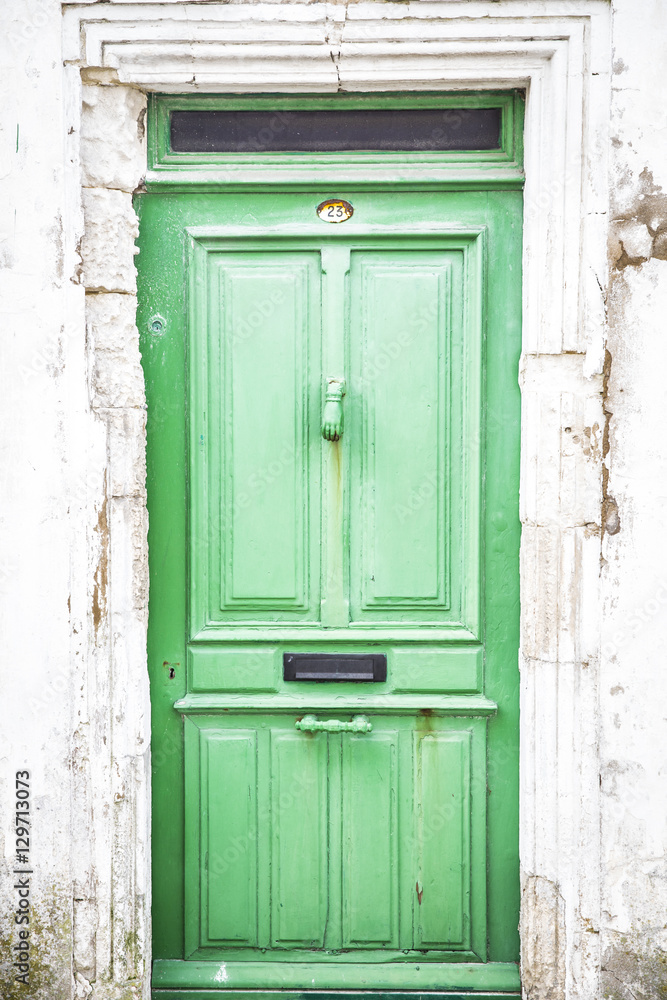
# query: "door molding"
558,50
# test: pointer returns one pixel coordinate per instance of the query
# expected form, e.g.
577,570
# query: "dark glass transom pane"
340,130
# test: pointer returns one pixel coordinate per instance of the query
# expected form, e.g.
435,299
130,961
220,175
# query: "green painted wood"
265,567
229,817
299,864
370,840
494,976
255,518
266,538
442,817
409,533
317,995
434,668
399,551
310,829
377,530
446,705
501,166
335,265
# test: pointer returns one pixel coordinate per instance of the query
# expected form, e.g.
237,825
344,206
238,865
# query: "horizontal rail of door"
411,669
356,233
501,978
303,633
189,994
442,705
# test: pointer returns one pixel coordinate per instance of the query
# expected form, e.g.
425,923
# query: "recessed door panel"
228,858
400,331
256,522
264,331
370,844
298,823
415,357
442,833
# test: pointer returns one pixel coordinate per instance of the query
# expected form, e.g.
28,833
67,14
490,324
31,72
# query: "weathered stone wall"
44,440
73,528
633,680
73,584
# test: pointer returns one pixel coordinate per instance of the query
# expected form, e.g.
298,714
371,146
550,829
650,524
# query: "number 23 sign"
335,210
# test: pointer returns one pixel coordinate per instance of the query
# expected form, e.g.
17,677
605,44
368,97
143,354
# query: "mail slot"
334,667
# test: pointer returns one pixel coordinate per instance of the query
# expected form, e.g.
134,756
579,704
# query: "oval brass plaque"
335,210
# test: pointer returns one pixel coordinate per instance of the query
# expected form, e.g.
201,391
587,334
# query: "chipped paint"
544,939
101,575
221,975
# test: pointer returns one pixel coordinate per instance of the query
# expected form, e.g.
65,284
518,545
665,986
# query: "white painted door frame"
559,51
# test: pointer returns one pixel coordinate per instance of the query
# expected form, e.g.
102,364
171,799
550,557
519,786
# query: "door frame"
561,57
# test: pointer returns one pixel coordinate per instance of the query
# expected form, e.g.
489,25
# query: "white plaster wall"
43,440
633,680
72,522
72,541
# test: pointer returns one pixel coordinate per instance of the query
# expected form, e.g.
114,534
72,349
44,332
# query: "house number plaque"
335,210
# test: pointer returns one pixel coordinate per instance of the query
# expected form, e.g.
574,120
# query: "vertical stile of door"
200,367
408,853
473,320
192,827
264,843
333,931
335,602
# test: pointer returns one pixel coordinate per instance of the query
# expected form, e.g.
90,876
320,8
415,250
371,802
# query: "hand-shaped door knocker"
332,417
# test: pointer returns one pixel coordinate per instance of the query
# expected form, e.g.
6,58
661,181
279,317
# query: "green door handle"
332,417
309,724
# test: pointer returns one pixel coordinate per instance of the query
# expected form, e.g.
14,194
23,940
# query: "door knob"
309,724
332,416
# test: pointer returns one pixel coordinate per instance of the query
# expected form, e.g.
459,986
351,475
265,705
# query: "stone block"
107,248
113,137
126,430
117,378
562,415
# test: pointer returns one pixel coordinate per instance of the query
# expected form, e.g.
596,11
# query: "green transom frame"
333,446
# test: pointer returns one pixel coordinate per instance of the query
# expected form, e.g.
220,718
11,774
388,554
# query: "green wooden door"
337,834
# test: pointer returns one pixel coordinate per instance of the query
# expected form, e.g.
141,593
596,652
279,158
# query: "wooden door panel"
443,835
229,836
298,824
400,333
300,840
370,844
255,436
